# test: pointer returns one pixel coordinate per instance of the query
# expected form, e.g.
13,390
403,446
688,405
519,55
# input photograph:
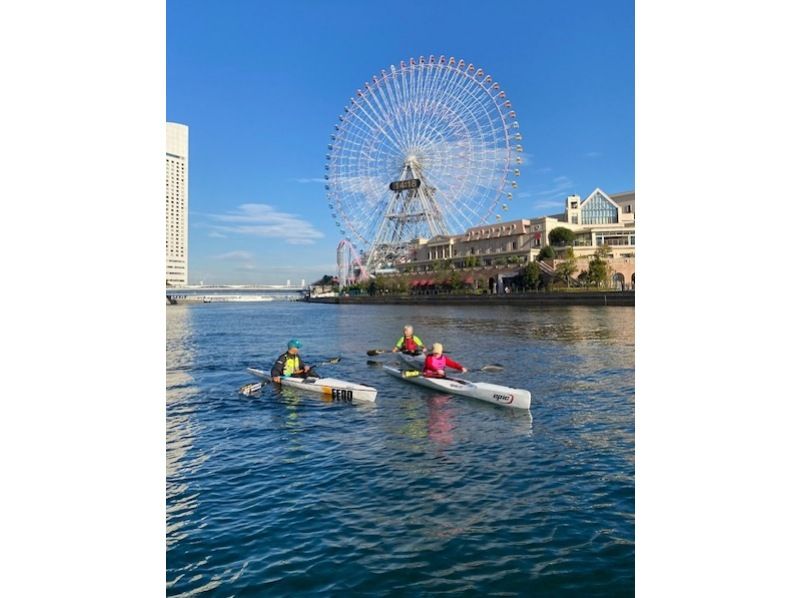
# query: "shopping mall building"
493,254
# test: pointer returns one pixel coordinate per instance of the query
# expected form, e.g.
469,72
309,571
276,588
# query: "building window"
598,210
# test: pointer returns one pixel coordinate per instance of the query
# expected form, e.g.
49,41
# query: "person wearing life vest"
409,343
436,362
290,364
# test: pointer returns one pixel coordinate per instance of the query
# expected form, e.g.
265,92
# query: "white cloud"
263,220
234,255
548,204
215,235
593,154
561,184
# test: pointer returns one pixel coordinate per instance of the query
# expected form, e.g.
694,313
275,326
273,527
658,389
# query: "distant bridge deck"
255,288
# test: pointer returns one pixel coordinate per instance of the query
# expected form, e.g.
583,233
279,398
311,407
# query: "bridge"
236,287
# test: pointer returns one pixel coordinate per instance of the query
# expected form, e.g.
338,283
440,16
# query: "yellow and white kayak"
339,390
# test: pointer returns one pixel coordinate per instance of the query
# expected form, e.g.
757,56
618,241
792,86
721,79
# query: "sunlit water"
284,494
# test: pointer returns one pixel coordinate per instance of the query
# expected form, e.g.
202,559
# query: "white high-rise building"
177,204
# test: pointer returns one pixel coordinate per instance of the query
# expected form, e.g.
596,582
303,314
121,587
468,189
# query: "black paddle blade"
375,352
334,359
374,362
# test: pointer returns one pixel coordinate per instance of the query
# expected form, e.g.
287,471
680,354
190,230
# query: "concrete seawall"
612,298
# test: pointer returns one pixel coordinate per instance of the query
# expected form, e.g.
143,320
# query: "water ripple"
284,494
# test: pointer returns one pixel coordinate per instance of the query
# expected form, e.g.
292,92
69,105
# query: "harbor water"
419,493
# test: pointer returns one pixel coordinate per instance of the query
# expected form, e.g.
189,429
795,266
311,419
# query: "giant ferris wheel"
429,148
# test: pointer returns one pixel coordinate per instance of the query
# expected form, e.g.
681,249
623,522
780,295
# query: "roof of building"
624,193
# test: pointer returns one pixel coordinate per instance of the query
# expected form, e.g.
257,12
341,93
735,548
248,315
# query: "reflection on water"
289,492
440,420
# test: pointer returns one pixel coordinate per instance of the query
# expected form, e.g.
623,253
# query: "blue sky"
261,84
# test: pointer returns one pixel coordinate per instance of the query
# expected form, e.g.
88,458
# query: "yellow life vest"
291,365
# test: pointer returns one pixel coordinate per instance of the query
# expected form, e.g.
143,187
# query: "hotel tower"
177,204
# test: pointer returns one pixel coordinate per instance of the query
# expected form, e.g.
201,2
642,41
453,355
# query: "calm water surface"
284,494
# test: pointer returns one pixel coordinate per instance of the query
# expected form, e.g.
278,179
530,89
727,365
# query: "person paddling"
436,362
290,364
409,343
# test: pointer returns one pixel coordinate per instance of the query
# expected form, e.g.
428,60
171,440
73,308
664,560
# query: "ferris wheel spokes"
443,123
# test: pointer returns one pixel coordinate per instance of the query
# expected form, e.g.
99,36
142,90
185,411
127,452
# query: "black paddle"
490,367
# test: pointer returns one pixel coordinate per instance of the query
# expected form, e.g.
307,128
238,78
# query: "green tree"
603,251
598,268
324,281
401,286
568,267
561,236
546,253
455,280
531,274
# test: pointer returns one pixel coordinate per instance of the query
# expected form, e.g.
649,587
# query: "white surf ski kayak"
412,361
339,390
490,393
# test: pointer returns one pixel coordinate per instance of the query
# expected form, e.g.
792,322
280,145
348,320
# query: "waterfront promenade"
589,298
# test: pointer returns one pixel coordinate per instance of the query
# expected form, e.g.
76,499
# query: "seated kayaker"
436,362
290,364
408,343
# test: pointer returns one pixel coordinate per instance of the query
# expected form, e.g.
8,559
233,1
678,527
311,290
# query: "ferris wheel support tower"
412,212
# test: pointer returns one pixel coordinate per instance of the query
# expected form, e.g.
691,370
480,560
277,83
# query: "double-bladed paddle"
489,367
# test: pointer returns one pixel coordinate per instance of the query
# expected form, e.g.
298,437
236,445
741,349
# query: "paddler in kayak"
409,343
436,362
290,364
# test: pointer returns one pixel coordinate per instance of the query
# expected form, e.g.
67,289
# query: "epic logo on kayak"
505,399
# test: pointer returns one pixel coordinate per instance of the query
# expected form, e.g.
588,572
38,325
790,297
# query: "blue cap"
295,344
